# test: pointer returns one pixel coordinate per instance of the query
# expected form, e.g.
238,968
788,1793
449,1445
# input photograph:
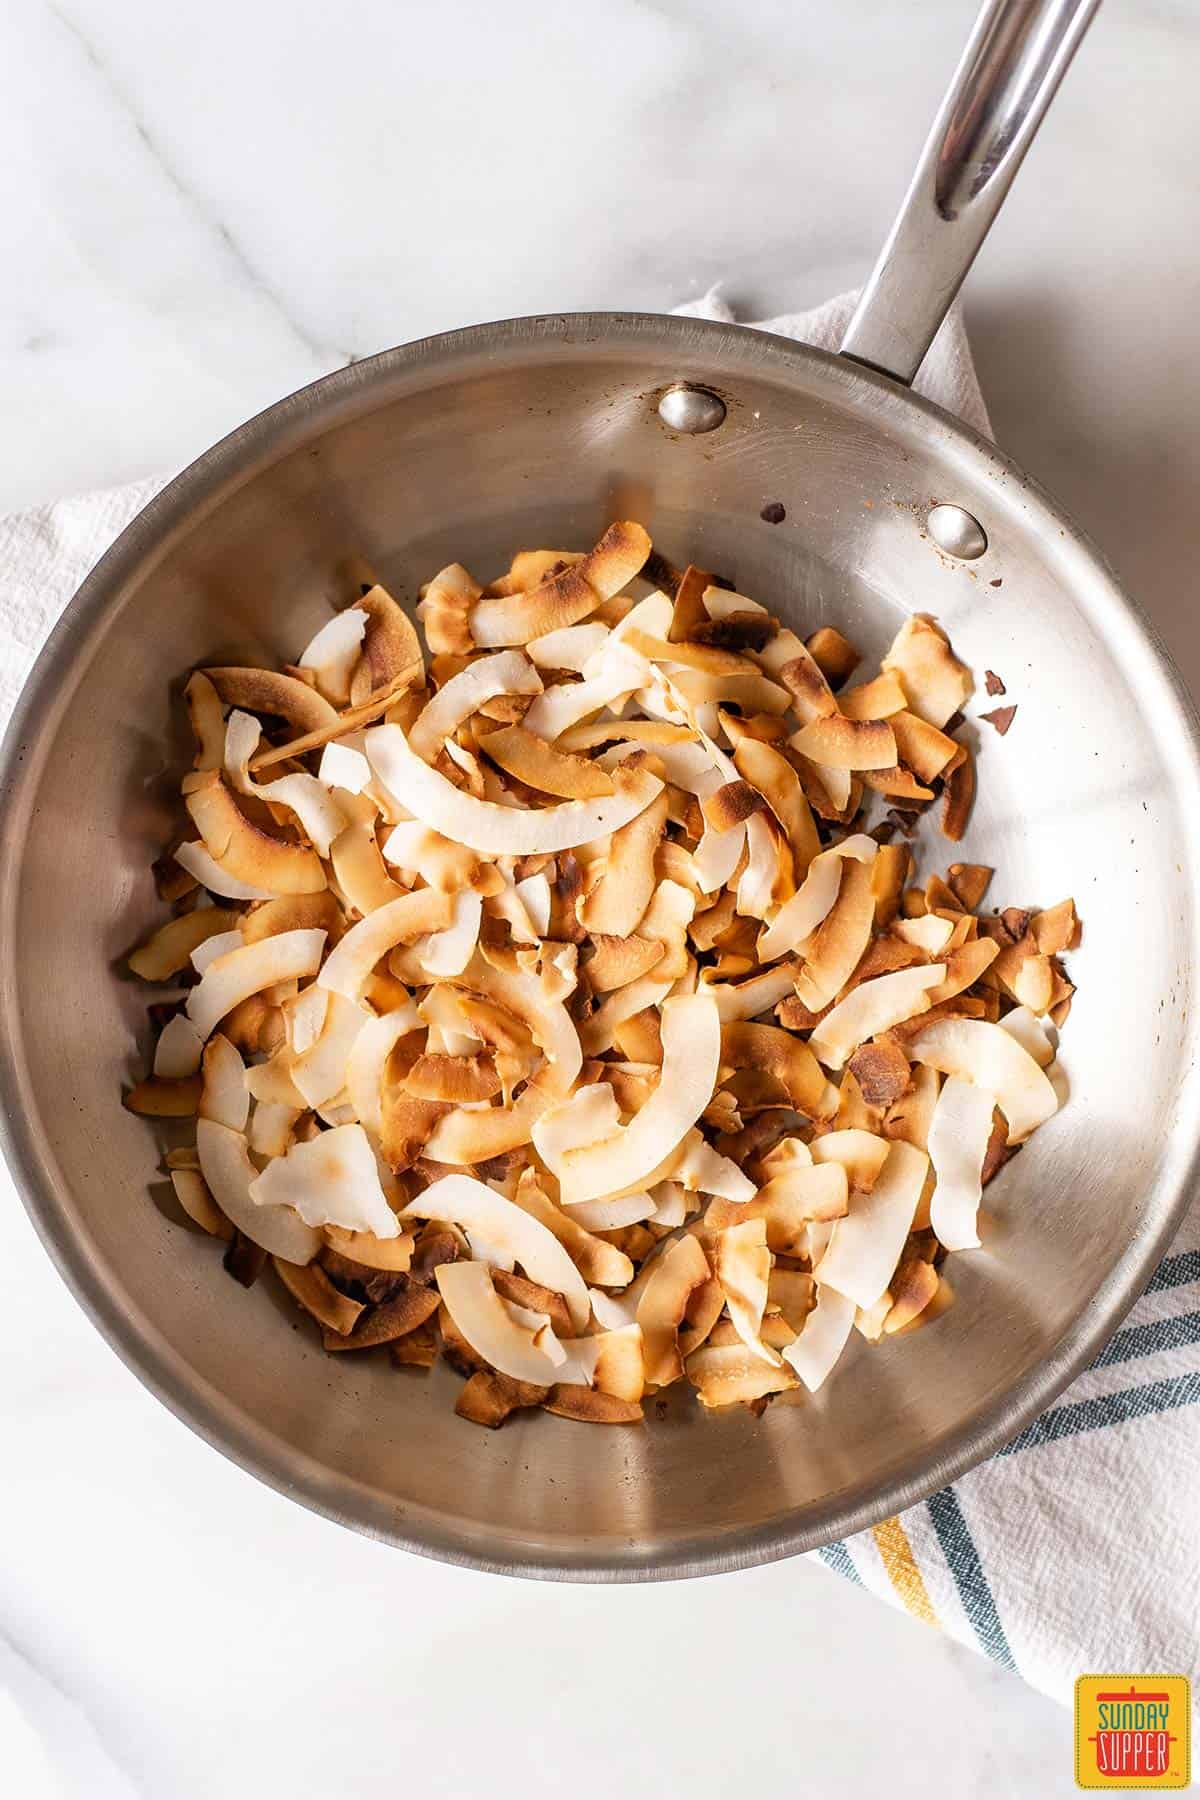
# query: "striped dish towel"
1077,1548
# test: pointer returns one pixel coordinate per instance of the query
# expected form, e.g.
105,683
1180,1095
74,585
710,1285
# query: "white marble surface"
207,204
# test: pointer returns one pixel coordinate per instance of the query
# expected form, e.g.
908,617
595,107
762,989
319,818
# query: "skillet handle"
1009,73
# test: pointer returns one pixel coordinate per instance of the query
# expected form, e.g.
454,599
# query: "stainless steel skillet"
462,447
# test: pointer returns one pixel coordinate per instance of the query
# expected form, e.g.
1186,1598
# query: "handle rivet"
693,410
957,532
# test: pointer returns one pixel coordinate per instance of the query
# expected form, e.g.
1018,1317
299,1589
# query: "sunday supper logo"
1132,1731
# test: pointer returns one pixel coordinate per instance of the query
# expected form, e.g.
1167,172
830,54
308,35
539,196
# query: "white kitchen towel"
1077,1547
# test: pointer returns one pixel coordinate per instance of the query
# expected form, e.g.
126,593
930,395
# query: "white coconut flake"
178,1050
234,977
219,945
343,766
498,830
507,672
866,1244
691,1040
490,1328
320,1074
208,872
1030,1033
333,653
870,1008
569,647
226,1166
590,1115
958,1140
446,953
534,894
462,1200
823,1337
993,1059
331,1181
813,901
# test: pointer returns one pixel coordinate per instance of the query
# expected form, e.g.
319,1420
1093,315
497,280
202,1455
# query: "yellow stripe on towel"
896,1553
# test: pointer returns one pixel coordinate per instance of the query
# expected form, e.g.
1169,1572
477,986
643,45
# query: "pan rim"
272,433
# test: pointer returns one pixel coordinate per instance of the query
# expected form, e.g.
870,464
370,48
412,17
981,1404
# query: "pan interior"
537,434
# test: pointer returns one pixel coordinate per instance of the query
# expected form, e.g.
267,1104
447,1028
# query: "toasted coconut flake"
871,1008
992,1058
742,1265
588,1406
691,1056
488,1398
445,608
281,696
730,805
812,697
834,950
271,1128
779,1054
509,1229
208,721
914,1288
226,1166
964,967
881,1071
770,773
405,1312
866,1244
453,1078
752,691
824,1336
540,765
192,1193
333,653
921,747
333,1180
508,672
212,947
748,999
312,1289
958,1141
158,1099
727,1374
662,1304
242,851
861,1153
304,1018
626,885
617,961
936,683
833,654
882,698
392,1255
801,916
959,794
390,648
235,976
841,743
501,830
567,597
295,912
169,949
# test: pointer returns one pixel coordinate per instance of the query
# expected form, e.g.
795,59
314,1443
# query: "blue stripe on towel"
958,1547
1107,1409
836,1556
1148,1340
1175,1271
